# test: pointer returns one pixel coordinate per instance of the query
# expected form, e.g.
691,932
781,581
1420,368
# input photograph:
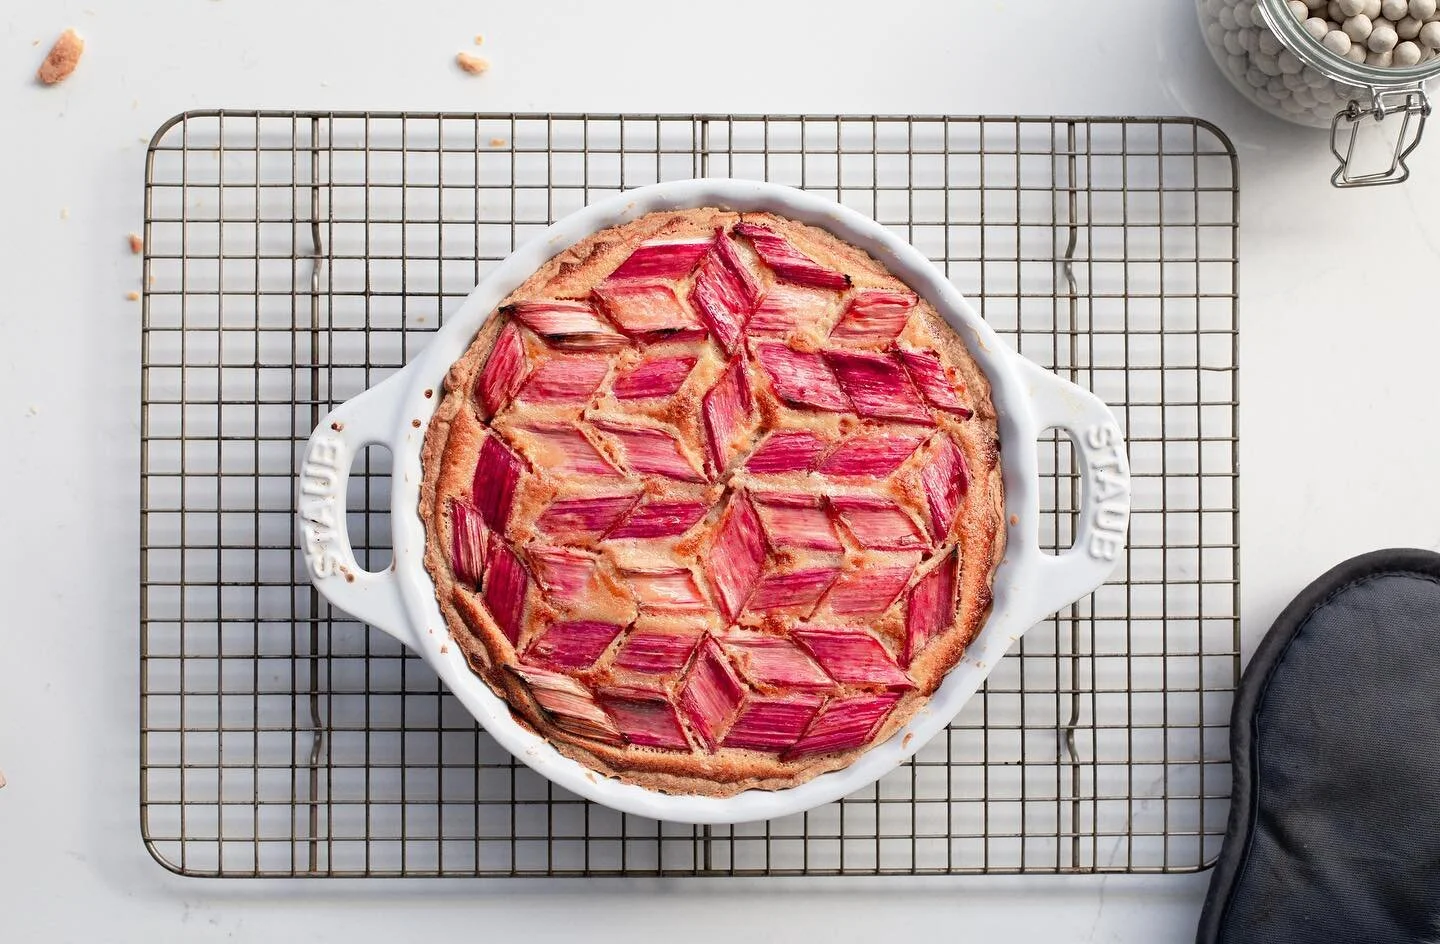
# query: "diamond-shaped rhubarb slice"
659,519
801,378
656,651
945,480
788,263
786,307
878,523
736,557
581,519
569,704
563,380
930,378
652,451
773,662
726,408
871,588
645,717
506,583
649,312
878,386
666,590
711,693
797,588
492,489
796,520
661,259
564,573
655,377
564,448
504,371
854,657
772,723
724,293
575,644
873,455
469,542
786,450
567,324
931,606
843,725
875,315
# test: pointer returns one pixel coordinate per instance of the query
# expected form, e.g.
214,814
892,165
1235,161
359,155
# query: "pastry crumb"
479,39
62,58
2,778
64,213
498,142
474,65
444,648
137,245
133,296
906,741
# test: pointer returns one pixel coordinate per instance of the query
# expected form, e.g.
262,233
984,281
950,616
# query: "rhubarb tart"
713,501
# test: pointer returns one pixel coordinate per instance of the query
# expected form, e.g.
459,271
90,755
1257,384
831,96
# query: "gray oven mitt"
1334,833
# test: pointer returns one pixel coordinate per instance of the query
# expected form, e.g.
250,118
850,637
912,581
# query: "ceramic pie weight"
1334,831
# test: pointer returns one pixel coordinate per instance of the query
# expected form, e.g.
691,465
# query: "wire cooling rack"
295,259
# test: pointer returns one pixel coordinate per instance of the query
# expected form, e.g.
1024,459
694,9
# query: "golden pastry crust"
461,424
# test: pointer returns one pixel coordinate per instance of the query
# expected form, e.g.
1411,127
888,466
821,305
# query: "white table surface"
1338,428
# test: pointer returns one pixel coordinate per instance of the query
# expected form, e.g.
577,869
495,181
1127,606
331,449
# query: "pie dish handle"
370,596
1104,512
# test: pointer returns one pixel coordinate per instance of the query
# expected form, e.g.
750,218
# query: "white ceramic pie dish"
1029,584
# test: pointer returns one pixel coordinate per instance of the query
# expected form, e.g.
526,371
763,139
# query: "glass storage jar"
1268,53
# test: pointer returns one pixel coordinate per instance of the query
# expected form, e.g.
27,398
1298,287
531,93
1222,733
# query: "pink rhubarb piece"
788,263
878,523
874,315
736,557
726,407
645,717
797,520
945,480
786,451
931,606
878,386
504,371
711,694
575,644
773,661
854,657
801,378
843,725
930,378
567,323
656,377
651,451
772,723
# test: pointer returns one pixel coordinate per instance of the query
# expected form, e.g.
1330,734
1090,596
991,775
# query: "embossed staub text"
1109,483
320,506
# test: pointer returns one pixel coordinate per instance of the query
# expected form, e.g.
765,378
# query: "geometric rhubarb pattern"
714,504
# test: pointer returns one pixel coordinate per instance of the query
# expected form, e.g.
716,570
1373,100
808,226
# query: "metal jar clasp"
1409,101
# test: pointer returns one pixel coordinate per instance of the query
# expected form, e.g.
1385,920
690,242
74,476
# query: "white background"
1338,420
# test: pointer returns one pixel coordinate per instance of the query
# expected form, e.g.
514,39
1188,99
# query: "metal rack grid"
293,260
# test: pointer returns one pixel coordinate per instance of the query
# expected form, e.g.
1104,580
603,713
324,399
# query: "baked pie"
713,501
